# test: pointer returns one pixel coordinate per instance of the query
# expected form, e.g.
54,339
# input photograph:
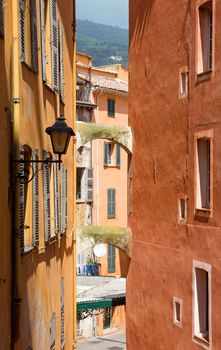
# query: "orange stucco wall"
165,126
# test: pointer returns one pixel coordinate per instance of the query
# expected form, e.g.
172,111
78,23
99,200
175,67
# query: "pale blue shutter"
54,45
52,331
62,314
105,153
35,200
34,37
89,184
56,197
43,40
47,201
117,155
61,56
1,19
22,29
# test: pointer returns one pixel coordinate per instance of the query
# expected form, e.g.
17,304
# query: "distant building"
101,164
173,285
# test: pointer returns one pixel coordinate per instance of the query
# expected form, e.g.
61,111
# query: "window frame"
196,337
180,302
111,107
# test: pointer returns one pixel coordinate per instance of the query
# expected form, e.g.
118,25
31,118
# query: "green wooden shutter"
105,153
47,201
111,205
1,19
89,184
52,331
21,203
56,197
43,39
111,107
22,29
62,314
117,155
35,200
34,37
61,57
54,45
111,258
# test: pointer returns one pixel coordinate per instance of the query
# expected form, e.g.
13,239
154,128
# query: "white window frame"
183,90
196,336
182,220
175,320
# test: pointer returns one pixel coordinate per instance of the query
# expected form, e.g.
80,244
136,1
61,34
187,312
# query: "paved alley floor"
115,341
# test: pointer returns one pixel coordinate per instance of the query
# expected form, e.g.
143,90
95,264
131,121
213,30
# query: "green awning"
99,304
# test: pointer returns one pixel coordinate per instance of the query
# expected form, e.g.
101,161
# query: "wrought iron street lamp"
60,134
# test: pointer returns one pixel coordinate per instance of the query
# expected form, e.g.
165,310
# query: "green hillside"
106,44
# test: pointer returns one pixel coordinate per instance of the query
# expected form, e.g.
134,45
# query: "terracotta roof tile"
105,82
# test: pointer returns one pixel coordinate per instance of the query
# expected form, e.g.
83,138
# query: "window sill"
29,67
111,166
201,339
202,212
28,250
204,76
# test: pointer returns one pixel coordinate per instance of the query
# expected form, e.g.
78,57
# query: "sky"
111,12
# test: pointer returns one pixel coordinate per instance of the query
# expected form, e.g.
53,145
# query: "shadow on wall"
139,21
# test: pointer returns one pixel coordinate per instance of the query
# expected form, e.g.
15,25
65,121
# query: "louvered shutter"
63,200
111,259
34,37
21,203
35,200
22,29
62,313
89,184
105,153
43,40
47,201
54,45
56,198
61,56
111,205
117,155
52,331
1,19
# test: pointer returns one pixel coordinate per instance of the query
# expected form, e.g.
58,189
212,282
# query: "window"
111,154
183,91
107,318
177,311
47,198
1,19
110,107
201,301
80,177
62,314
205,37
111,256
182,209
203,173
28,33
111,205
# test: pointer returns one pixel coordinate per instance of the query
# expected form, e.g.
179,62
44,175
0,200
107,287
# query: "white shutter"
43,40
34,37
22,29
61,57
54,45
47,201
63,200
35,200
56,197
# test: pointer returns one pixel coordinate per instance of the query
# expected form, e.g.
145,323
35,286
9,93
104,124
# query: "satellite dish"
99,250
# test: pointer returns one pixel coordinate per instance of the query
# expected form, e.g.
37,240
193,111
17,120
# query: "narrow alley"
115,341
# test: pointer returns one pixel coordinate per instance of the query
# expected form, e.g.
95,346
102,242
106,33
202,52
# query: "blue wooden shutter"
21,202
47,201
54,45
22,29
105,153
117,155
89,184
43,39
34,37
1,19
61,58
35,200
111,258
56,197
52,331
62,314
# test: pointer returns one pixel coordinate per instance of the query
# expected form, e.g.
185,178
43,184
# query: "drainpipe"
16,278
75,207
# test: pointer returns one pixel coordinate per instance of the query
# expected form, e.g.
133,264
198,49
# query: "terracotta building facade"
37,250
173,286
